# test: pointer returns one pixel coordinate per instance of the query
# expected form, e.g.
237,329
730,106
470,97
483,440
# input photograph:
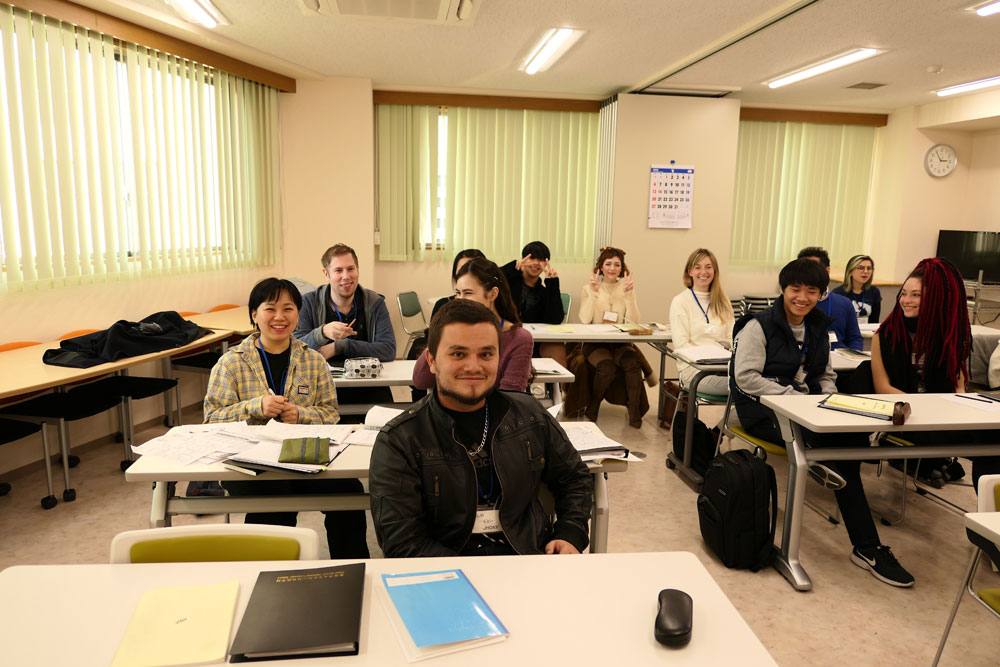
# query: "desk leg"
556,393
166,368
659,380
787,562
158,513
683,467
600,515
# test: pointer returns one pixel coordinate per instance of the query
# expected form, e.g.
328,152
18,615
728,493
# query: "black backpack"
736,500
704,442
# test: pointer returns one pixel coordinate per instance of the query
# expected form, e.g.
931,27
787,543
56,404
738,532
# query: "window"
501,178
797,185
120,162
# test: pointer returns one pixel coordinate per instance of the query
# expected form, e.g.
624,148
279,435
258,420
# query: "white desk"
353,463
840,362
555,608
986,524
931,412
399,373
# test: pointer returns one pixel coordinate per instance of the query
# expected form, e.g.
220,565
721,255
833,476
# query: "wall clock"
940,160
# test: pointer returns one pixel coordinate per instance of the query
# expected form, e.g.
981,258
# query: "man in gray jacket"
342,320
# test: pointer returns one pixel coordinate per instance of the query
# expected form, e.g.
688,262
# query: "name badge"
303,389
487,521
711,330
610,316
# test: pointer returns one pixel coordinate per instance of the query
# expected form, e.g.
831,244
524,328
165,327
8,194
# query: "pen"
972,398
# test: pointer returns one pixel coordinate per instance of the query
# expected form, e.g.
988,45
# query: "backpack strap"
767,551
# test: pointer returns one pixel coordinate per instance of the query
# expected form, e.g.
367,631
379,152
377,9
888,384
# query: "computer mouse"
674,617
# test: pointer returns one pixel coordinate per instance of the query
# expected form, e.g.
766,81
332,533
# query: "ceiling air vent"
866,85
444,12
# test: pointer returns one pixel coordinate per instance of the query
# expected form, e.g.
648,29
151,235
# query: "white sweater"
688,327
609,296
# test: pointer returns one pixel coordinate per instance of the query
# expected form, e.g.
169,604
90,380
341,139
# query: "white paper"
600,328
544,366
278,431
187,444
267,453
364,437
380,416
587,436
698,352
984,404
555,410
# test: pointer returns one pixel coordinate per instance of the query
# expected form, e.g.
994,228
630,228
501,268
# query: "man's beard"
462,398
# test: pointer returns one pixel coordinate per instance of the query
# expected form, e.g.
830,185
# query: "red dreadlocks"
943,336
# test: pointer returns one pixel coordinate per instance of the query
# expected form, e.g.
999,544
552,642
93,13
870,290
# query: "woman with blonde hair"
610,297
701,315
858,287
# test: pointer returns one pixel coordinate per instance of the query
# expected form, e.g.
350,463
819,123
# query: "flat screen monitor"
972,251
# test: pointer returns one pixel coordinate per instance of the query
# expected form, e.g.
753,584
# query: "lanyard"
340,317
805,340
278,389
699,304
502,321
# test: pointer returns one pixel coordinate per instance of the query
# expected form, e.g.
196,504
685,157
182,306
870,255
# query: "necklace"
486,430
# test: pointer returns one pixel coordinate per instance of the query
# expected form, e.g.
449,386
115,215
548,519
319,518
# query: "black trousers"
851,499
981,465
345,530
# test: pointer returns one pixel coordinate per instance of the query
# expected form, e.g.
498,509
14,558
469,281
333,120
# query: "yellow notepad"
860,405
179,625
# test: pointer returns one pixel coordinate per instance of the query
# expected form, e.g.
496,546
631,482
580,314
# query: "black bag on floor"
738,507
703,442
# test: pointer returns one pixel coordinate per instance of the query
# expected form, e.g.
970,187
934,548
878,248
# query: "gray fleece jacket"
381,339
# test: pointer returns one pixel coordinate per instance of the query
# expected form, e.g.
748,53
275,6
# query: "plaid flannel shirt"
238,386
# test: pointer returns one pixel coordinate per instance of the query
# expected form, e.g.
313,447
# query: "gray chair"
409,308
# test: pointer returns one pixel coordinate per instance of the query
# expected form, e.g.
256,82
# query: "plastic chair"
989,501
409,306
197,361
222,306
567,301
215,542
12,430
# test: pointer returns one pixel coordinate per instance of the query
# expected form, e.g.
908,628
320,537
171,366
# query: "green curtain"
797,185
508,177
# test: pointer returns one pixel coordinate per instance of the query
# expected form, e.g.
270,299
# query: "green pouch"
315,451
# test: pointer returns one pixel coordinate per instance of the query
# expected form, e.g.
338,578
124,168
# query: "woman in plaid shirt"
272,375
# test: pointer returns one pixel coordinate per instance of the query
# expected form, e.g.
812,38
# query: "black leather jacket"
423,482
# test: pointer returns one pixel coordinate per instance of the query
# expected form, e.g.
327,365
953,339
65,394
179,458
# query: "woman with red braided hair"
923,346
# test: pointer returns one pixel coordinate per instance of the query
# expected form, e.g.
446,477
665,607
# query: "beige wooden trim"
85,17
484,101
825,117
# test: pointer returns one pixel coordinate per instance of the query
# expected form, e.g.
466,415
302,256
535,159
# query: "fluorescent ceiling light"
552,46
987,9
199,11
836,62
966,87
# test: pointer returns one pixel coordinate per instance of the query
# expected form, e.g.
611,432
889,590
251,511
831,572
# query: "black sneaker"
826,477
883,565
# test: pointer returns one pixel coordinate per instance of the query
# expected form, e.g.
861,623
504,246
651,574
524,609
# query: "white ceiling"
628,45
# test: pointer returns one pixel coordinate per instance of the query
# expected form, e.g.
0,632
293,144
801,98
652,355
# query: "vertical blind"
119,162
797,185
495,180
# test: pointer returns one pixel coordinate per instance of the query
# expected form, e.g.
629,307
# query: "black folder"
306,613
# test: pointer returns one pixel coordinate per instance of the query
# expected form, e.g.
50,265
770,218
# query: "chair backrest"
989,493
222,306
77,332
567,301
187,313
215,542
17,344
409,306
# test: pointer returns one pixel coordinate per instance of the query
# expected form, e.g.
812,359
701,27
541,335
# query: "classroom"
655,83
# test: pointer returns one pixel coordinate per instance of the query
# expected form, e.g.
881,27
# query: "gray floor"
848,619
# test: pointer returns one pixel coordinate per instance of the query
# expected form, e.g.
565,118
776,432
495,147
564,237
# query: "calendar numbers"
670,196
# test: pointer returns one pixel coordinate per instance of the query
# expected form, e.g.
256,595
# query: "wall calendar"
671,194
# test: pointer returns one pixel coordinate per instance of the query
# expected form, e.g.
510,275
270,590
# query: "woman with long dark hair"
461,258
481,280
923,345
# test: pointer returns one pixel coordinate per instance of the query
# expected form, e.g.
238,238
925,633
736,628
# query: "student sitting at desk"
342,320
458,473
786,350
461,258
481,280
857,286
271,375
534,286
923,346
701,315
843,318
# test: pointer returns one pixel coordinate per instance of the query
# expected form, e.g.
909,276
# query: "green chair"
409,307
989,501
567,301
215,542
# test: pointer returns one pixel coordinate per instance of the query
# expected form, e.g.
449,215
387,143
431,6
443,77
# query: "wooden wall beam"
826,117
484,101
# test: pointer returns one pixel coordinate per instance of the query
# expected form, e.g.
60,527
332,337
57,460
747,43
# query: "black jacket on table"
784,357
423,482
550,308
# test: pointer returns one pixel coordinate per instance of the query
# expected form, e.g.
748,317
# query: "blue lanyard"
278,389
340,318
699,304
502,320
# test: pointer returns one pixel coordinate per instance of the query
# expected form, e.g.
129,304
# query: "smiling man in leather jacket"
458,472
